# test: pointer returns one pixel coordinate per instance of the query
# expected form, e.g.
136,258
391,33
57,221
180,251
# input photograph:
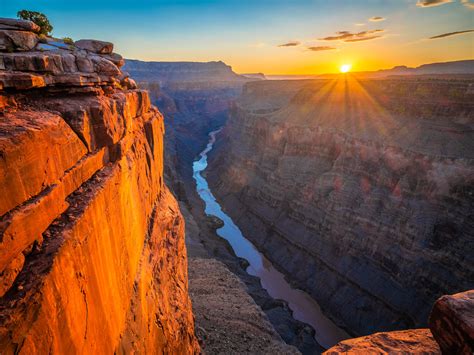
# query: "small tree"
37,17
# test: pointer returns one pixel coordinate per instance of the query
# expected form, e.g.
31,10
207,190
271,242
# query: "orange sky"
249,34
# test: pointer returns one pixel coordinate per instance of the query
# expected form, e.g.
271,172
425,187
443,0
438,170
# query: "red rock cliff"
92,255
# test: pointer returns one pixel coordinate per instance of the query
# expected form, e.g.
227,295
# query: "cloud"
321,48
377,19
362,39
430,3
290,44
347,36
450,34
360,24
468,4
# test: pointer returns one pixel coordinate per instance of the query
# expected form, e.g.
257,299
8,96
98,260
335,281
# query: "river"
305,308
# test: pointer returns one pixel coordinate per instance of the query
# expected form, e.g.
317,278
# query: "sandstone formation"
359,190
92,254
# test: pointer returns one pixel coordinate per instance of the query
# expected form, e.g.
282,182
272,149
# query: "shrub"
43,38
68,40
37,17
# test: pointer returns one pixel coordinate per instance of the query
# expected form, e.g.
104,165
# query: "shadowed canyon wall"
359,190
195,99
92,254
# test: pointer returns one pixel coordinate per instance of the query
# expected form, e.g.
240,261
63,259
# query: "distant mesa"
181,71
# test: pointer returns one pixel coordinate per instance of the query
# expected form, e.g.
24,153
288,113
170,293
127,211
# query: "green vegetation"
37,17
68,40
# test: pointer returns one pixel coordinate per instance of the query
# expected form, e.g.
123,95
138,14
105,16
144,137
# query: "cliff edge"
92,254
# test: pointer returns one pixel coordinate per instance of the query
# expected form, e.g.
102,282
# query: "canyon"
194,106
360,191
202,211
198,106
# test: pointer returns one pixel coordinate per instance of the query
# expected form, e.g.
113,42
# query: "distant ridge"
456,67
181,71
442,68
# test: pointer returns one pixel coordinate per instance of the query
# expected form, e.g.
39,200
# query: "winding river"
304,308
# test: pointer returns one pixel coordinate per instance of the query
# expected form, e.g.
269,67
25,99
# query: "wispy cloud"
449,34
377,19
347,36
430,3
360,24
320,48
257,45
290,44
468,4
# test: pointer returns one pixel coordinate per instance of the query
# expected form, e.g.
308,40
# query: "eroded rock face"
360,191
92,255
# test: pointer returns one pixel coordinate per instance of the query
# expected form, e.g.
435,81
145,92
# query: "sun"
345,68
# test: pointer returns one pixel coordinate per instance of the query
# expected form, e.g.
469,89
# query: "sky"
270,36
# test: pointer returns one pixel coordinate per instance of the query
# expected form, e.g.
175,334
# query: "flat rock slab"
16,24
452,323
17,40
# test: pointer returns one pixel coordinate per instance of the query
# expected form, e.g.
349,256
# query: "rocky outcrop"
363,186
92,254
451,332
452,323
415,341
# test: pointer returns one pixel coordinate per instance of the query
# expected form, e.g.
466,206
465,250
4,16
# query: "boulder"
16,24
115,58
413,341
104,66
95,46
452,323
13,40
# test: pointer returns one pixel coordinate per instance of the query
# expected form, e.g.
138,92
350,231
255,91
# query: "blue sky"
247,34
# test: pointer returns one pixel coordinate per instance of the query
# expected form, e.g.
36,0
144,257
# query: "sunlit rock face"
361,191
92,255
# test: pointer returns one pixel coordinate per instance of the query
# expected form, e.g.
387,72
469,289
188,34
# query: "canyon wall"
195,99
92,253
360,191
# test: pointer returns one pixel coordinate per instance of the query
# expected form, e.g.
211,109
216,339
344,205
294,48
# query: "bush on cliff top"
37,17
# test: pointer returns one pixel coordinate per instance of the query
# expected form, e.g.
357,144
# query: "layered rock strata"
359,190
92,254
